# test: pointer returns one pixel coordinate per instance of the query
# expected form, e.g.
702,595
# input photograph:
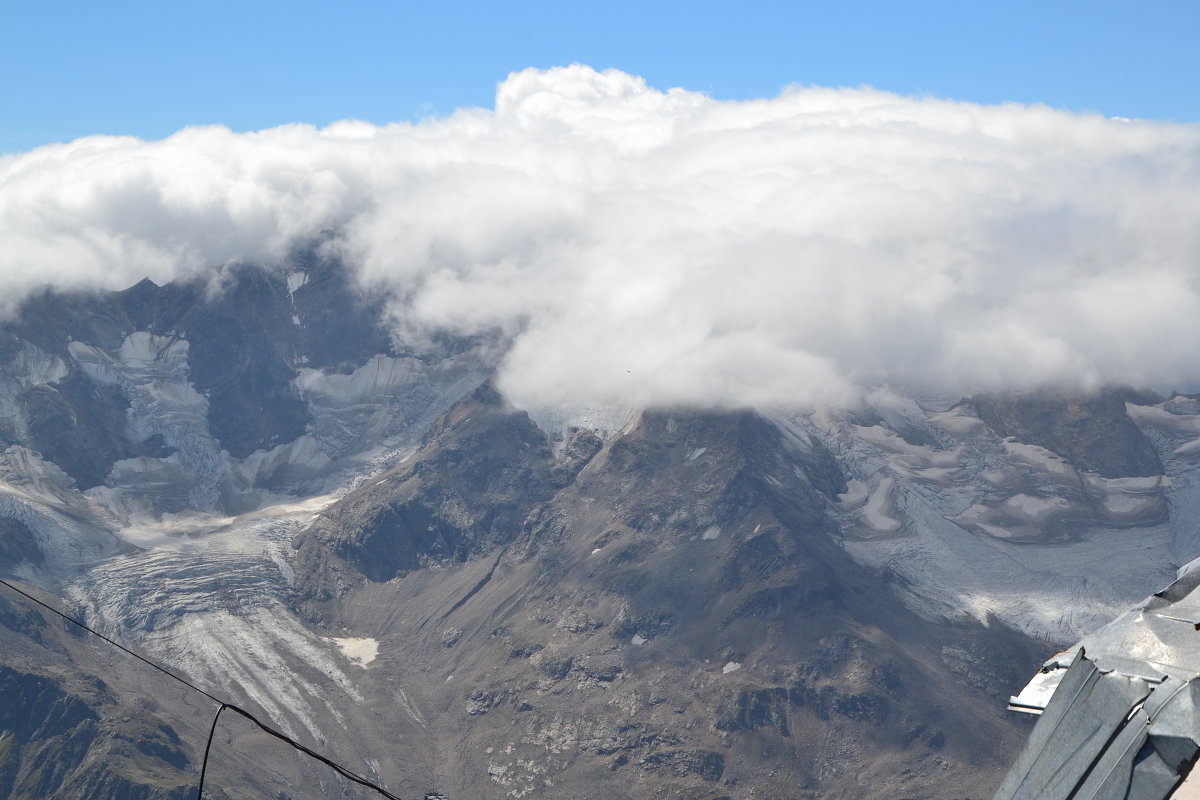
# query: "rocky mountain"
59,738
362,541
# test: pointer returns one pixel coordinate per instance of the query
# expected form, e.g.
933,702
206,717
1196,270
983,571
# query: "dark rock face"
703,764
60,712
1094,433
341,325
17,544
758,708
80,425
247,338
467,492
239,358
53,743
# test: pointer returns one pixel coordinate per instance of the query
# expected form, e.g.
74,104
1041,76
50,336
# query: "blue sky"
71,68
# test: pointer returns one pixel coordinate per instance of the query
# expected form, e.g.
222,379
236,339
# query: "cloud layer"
643,246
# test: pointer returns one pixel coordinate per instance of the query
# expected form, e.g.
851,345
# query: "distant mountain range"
361,540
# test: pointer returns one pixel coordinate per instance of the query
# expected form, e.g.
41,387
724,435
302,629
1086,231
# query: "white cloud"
660,247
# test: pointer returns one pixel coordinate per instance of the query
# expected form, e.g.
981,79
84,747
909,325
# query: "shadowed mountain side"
79,719
469,490
677,621
81,425
1094,433
66,732
18,544
246,338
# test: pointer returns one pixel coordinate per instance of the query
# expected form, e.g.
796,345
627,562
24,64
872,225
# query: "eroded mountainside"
362,541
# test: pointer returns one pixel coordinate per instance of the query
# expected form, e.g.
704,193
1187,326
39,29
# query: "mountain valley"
258,484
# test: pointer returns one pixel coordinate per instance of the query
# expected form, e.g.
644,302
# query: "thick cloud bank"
641,246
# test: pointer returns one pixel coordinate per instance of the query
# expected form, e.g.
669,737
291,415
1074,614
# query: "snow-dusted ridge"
975,524
187,556
984,526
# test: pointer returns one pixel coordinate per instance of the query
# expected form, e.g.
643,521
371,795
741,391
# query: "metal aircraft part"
1120,711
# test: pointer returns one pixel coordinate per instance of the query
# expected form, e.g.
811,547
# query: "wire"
121,647
208,746
336,767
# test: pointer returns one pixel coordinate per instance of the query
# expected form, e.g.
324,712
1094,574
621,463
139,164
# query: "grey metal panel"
1138,753
1088,708
1078,680
1132,667
1190,616
1152,779
1174,728
1186,608
1036,695
1143,642
1109,778
1163,695
1092,723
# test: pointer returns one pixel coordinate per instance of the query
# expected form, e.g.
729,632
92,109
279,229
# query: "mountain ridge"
563,613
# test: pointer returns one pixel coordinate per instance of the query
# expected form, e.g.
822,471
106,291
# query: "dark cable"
121,647
338,768
208,746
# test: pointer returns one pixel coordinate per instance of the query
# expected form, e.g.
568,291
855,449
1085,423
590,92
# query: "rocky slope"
677,619
60,731
362,541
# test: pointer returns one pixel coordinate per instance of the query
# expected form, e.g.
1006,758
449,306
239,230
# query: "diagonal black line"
117,645
336,767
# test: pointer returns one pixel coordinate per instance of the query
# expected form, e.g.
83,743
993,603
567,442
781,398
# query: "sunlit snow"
360,651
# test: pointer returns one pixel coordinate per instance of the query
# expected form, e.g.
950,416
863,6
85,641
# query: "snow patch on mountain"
359,650
152,372
29,366
206,593
387,404
71,530
984,526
